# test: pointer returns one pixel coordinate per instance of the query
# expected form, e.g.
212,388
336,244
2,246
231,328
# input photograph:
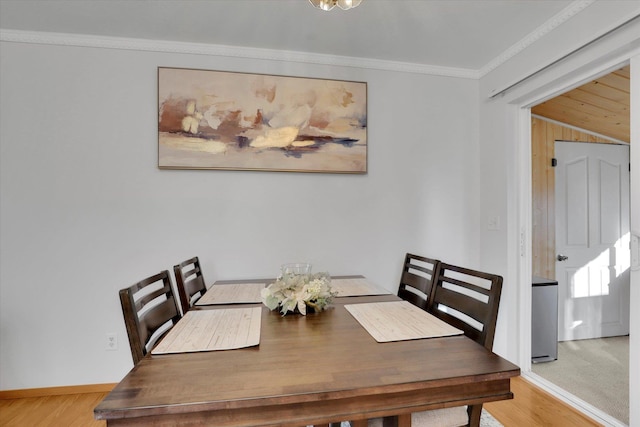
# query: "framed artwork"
240,121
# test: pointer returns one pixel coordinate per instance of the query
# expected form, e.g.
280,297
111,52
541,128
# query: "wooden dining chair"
190,282
469,300
416,281
150,310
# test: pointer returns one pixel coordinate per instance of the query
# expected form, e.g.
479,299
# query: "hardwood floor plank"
531,406
72,410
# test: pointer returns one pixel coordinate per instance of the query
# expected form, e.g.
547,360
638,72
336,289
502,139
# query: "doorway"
557,120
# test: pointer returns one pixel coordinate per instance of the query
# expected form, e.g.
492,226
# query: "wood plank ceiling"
600,106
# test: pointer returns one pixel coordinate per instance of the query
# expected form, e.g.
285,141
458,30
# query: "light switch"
493,223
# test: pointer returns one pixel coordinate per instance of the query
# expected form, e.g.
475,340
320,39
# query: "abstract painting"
241,121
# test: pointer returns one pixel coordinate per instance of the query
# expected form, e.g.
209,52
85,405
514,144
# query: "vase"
295,269
310,309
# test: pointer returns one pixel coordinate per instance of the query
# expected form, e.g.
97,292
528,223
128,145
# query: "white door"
592,239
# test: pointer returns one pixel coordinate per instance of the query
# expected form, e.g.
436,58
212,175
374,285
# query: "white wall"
84,210
506,154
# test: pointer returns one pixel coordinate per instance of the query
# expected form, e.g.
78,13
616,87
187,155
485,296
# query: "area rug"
486,420
595,370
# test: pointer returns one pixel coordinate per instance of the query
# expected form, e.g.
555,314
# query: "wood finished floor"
70,410
530,407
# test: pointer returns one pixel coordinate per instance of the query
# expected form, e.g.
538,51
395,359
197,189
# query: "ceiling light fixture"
330,4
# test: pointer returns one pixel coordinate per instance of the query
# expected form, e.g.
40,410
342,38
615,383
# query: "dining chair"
416,281
468,300
150,310
190,282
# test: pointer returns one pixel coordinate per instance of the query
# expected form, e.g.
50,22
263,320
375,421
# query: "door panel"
610,214
577,203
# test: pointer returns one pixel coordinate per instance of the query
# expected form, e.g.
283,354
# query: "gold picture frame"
241,121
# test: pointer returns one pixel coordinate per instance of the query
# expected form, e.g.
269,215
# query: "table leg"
474,412
404,420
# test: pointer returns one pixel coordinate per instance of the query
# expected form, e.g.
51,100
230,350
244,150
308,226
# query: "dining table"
298,370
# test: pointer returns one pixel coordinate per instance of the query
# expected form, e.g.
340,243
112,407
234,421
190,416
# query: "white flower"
299,292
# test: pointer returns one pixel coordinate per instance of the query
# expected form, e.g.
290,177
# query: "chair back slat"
154,320
471,286
149,309
415,299
467,299
416,280
151,295
190,282
473,307
194,285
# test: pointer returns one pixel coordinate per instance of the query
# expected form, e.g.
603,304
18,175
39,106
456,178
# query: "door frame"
522,230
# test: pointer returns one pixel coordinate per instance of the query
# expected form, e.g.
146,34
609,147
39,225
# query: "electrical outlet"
112,342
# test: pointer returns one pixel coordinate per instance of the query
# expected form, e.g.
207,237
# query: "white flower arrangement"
292,292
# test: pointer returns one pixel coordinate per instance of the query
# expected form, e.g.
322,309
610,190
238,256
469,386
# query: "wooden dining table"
315,369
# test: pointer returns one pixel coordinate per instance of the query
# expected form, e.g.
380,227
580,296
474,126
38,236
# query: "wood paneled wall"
543,136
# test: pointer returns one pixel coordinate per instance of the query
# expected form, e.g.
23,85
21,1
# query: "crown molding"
83,40
561,17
